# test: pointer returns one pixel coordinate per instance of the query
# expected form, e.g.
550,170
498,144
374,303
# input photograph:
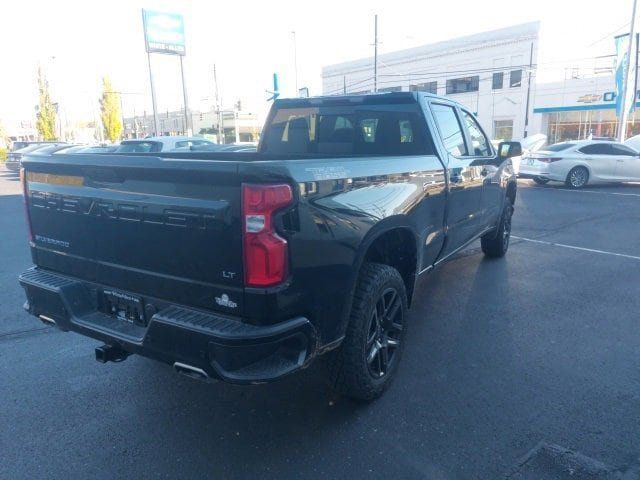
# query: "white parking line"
573,247
586,191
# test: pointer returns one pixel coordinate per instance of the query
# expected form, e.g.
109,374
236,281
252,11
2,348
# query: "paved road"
539,347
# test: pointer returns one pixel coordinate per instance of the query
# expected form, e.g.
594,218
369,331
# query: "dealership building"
578,107
493,74
487,72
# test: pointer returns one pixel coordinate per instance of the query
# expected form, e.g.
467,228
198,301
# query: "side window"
479,143
596,149
622,150
450,129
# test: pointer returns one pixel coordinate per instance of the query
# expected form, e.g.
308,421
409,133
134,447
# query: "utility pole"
624,114
375,53
122,117
344,84
295,58
218,108
526,112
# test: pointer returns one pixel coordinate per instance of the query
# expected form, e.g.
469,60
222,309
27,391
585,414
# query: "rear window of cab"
361,130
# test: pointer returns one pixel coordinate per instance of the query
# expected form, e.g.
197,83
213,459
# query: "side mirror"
509,149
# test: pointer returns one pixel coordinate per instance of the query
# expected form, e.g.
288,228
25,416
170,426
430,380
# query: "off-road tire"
349,369
495,244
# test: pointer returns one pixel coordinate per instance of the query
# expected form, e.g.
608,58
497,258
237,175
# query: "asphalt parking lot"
507,361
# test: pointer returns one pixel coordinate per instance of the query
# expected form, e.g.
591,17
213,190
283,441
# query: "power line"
437,75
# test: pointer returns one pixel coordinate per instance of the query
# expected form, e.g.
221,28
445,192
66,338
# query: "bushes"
3,154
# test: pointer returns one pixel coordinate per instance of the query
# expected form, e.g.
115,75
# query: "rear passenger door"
464,207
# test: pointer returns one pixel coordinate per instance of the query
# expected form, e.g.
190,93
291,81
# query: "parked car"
20,144
633,142
247,266
529,145
90,149
582,163
230,147
160,144
14,159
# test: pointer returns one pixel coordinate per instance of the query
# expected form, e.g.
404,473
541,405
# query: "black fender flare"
395,222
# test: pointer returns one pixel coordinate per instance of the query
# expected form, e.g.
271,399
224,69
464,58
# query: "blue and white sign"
164,32
622,65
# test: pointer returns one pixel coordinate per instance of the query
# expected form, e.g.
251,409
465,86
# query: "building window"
503,129
389,89
429,87
497,81
515,79
462,85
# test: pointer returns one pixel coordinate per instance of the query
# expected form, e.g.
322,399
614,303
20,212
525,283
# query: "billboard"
163,32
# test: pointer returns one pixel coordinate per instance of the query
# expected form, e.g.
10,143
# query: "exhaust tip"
46,320
192,372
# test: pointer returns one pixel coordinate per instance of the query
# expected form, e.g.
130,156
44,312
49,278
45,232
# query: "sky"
77,42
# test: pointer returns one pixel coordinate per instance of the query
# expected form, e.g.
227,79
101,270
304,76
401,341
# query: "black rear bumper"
224,347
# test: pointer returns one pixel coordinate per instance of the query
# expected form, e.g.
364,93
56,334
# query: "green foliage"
110,111
46,118
3,154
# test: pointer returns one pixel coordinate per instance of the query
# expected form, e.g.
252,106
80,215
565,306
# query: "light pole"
375,53
295,58
526,111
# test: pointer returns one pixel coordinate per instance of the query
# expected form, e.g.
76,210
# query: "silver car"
160,144
581,163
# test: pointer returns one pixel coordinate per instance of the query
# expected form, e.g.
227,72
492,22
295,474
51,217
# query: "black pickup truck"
245,267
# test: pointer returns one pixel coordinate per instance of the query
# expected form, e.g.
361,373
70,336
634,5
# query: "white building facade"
489,73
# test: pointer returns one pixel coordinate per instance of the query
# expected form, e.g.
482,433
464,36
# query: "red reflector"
25,201
265,252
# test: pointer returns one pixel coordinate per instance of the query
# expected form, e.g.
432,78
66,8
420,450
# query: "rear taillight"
549,159
265,252
25,201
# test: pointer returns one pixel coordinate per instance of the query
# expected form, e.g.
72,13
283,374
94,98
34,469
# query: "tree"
110,111
46,118
4,141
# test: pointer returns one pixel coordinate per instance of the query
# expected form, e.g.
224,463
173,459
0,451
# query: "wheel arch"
394,242
582,164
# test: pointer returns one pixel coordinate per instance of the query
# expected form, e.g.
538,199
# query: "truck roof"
359,98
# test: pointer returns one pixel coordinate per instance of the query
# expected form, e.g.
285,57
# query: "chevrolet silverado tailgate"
161,227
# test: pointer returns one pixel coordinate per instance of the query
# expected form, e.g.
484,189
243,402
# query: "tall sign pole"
624,113
156,122
187,123
164,33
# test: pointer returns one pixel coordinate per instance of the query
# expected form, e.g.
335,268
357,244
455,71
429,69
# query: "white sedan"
578,163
